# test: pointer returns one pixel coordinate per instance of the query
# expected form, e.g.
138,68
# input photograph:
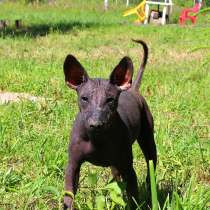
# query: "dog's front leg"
71,181
129,177
77,151
115,174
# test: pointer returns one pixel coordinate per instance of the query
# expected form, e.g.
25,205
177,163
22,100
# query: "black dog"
112,115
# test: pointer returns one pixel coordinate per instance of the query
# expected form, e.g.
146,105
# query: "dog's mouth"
99,130
96,133
98,127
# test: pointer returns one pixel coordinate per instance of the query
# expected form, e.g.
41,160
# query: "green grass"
34,136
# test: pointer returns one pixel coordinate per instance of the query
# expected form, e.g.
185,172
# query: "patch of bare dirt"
7,97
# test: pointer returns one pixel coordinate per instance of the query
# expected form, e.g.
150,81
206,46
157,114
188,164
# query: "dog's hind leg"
146,139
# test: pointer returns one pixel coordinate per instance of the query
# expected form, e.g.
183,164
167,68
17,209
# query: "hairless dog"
112,115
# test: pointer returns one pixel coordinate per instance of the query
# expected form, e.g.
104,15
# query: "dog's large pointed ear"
122,74
74,72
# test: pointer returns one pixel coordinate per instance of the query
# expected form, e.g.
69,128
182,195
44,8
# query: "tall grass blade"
153,186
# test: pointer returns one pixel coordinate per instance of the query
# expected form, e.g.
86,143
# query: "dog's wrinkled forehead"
98,87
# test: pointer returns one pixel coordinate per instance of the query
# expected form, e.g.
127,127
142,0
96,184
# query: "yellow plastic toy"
139,10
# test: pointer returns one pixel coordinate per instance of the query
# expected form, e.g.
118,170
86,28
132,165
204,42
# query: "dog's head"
98,98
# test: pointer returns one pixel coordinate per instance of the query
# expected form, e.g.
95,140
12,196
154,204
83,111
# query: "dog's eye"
109,100
84,98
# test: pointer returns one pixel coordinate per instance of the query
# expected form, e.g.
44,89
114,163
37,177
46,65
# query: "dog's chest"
108,152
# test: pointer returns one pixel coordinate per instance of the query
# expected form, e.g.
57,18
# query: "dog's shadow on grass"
164,192
34,30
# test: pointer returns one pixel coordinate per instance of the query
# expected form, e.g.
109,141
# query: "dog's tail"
137,82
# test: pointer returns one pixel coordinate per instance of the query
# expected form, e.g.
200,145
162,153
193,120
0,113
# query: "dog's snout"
95,123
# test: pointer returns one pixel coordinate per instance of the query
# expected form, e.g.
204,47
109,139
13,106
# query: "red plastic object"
185,14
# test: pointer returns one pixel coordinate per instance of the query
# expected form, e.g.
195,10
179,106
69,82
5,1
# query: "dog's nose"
95,124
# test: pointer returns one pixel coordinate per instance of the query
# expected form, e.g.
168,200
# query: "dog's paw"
68,207
65,207
68,204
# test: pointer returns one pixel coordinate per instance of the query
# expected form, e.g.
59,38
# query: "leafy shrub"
108,197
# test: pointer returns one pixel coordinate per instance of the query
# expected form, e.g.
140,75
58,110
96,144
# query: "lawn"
34,136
